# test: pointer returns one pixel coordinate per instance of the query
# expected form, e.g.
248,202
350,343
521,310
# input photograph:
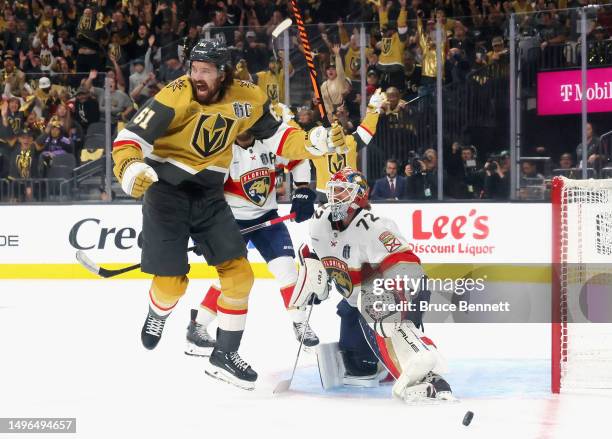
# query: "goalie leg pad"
334,368
415,357
331,368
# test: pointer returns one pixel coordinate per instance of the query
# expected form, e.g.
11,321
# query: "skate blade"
221,375
197,351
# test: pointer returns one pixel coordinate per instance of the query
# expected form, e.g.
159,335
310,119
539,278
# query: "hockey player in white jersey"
355,250
251,194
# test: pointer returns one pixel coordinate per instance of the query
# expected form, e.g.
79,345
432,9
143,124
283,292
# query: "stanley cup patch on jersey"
211,134
256,185
390,241
338,273
242,110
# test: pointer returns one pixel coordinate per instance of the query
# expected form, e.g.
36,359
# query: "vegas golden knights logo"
85,22
272,90
386,45
24,163
336,162
256,185
115,50
355,64
15,123
211,134
337,271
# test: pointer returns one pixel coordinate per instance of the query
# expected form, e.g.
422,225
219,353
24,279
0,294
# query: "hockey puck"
468,418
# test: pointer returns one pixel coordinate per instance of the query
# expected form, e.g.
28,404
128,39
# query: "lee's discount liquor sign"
473,232
561,92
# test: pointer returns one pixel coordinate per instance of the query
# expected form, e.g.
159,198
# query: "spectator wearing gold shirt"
390,62
352,54
429,62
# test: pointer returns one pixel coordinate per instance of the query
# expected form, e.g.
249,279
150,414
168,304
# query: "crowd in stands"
58,55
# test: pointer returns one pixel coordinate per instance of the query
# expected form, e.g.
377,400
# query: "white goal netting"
582,285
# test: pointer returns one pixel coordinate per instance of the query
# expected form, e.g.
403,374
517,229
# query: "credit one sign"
561,92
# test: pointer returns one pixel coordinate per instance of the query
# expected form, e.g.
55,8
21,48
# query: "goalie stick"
284,385
90,265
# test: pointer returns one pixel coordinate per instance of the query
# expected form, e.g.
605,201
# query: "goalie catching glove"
136,178
311,282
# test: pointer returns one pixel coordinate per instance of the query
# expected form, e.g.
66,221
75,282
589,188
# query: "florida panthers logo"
338,273
256,185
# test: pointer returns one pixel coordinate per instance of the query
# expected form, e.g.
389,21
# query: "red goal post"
581,335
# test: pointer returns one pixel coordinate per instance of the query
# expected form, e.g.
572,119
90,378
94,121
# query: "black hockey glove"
302,203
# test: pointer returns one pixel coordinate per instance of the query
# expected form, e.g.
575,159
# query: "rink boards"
39,242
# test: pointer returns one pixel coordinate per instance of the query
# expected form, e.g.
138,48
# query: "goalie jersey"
185,141
250,187
370,244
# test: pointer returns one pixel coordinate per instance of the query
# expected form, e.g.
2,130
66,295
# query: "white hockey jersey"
369,243
250,185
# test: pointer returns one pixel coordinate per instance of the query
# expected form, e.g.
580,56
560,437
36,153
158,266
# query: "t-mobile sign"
561,92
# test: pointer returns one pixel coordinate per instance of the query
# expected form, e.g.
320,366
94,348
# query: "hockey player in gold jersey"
177,151
272,81
328,164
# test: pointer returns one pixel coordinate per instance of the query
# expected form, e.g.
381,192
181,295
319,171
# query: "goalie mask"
347,191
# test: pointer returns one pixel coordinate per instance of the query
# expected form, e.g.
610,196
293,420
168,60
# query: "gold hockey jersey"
392,48
186,141
328,164
272,84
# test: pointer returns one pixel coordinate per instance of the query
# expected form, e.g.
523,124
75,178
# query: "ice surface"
72,349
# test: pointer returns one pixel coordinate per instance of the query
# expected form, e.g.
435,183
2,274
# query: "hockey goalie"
357,253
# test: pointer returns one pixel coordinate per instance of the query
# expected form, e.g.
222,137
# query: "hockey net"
581,285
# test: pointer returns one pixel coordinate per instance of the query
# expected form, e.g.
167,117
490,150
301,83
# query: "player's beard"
206,93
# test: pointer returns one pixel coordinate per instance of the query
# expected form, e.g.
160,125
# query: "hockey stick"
297,15
90,265
284,385
282,27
